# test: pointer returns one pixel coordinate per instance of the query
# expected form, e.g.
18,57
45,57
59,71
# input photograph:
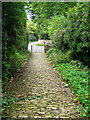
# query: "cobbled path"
43,90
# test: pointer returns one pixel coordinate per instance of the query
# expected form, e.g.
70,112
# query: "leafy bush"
44,36
51,54
77,78
64,57
71,32
56,56
11,66
14,39
57,23
77,32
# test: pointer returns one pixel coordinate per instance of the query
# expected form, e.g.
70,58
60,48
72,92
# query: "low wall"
45,41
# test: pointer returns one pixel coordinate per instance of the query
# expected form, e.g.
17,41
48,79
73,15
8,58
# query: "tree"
14,37
76,35
42,12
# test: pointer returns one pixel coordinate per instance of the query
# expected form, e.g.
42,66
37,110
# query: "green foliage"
46,10
56,56
71,32
77,77
56,24
8,101
30,27
40,45
10,67
52,55
64,57
77,33
44,36
31,31
42,12
14,38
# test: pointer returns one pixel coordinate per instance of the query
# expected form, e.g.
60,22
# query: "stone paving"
46,95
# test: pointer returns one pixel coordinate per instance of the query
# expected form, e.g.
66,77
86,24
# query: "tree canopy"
42,12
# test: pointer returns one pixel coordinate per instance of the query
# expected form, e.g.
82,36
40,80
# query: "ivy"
77,78
13,37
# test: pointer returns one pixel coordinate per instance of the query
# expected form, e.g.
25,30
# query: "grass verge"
40,45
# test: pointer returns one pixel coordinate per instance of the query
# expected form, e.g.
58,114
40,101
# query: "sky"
29,15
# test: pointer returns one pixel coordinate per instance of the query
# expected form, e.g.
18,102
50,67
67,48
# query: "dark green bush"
14,40
77,33
44,36
56,56
74,33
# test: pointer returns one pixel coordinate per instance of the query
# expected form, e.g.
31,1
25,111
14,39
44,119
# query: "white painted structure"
32,47
45,42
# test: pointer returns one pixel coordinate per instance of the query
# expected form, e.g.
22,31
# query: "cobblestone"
44,90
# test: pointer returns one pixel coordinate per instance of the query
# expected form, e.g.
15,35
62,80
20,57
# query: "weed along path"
41,92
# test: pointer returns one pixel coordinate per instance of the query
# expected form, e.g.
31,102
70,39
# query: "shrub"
57,56
44,36
71,32
64,57
51,54
77,78
57,23
77,32
14,38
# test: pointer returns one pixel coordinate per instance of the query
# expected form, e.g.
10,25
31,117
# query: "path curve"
45,88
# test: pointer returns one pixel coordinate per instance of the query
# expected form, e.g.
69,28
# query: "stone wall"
45,41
